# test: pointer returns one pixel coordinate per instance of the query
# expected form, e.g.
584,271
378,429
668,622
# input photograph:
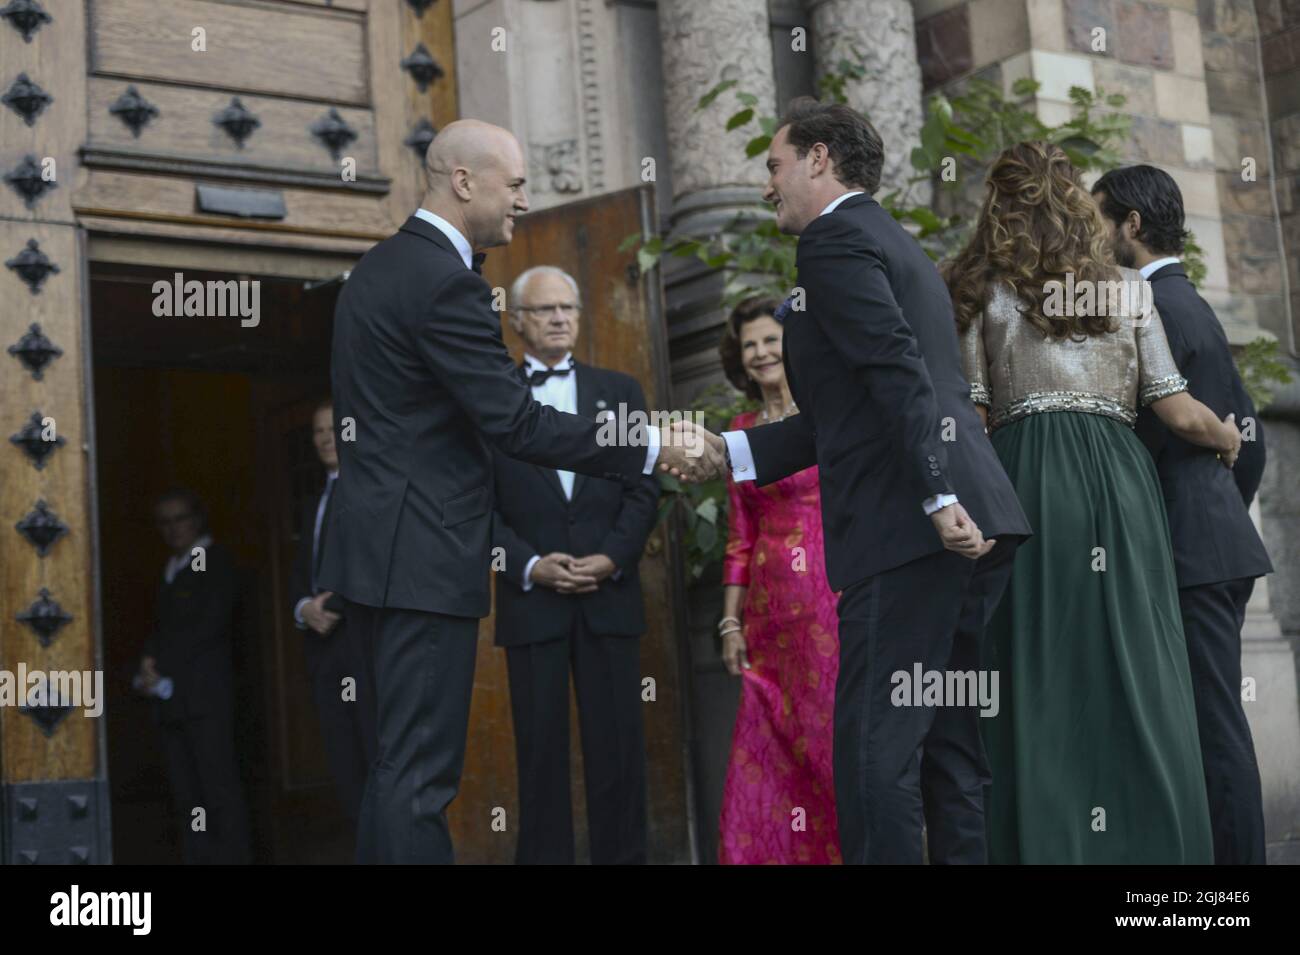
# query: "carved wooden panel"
316,213
183,135
68,752
54,60
153,99
287,49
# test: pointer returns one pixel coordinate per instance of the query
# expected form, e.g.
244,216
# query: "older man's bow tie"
536,377
476,262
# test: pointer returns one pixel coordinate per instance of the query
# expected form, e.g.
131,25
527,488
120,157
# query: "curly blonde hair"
1038,223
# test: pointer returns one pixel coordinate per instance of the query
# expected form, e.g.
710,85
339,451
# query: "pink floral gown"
781,751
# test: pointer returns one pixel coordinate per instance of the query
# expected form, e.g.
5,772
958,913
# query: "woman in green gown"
1093,751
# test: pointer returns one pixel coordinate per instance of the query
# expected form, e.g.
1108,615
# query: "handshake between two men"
692,453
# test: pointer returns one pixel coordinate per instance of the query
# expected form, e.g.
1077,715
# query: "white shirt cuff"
528,572
742,458
297,613
938,502
651,449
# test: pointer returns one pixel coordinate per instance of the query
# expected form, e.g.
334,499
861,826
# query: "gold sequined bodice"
1015,371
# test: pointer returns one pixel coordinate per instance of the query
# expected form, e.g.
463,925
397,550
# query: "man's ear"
821,157
1133,224
460,183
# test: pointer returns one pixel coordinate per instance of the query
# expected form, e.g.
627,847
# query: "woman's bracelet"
726,620
736,629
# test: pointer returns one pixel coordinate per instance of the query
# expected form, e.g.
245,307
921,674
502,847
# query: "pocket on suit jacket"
461,508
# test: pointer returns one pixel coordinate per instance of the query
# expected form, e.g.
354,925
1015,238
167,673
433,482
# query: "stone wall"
1150,52
1279,33
1243,164
578,82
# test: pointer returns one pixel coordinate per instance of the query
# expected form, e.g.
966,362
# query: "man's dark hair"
853,143
325,402
189,499
1154,195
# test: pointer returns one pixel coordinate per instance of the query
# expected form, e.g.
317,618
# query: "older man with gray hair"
570,596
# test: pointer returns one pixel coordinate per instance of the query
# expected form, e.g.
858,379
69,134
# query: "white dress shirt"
742,457
1151,268
835,203
460,243
561,393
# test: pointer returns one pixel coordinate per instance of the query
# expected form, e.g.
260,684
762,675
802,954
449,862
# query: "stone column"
1274,714
884,32
703,44
1267,639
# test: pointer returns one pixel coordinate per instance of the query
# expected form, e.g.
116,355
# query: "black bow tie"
535,378
476,261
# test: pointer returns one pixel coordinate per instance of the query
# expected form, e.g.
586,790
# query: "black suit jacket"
1213,537
886,415
193,635
421,372
533,518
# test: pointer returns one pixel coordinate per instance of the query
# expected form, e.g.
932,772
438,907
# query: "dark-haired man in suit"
1217,551
570,595
346,711
911,488
423,389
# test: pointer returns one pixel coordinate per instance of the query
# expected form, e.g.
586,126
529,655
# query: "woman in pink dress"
778,633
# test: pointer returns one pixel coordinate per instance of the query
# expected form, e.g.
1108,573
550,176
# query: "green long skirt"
1094,751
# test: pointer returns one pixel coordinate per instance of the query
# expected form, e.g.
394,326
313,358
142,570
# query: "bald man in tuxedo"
424,389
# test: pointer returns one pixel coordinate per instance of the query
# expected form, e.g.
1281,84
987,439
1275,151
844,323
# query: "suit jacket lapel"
586,408
552,481
425,230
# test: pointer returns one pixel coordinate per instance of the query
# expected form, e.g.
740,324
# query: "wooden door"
621,329
157,428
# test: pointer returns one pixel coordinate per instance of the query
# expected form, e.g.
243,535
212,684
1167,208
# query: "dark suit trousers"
204,773
1212,619
347,725
896,764
424,672
607,684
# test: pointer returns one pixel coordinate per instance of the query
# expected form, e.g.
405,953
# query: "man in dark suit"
422,385
337,666
910,489
1217,551
569,595
187,669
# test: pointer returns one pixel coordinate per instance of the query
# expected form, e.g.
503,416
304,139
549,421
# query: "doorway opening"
222,408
